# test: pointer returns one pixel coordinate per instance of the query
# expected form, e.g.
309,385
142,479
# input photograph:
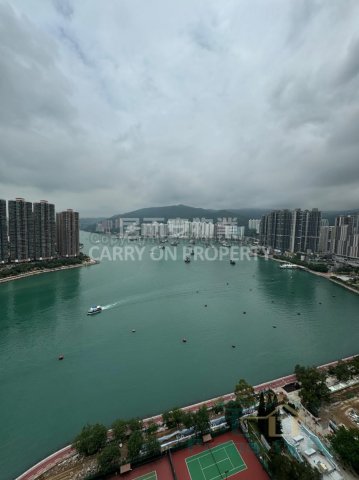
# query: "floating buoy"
244,313
227,283
233,346
184,340
320,303
274,326
133,331
61,357
206,305
298,313
197,291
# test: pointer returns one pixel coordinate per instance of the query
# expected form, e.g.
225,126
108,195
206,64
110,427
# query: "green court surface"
217,463
148,476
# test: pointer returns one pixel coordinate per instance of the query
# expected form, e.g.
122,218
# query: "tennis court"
147,476
217,463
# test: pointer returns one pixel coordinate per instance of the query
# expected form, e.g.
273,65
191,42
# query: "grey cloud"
32,86
212,104
350,68
64,8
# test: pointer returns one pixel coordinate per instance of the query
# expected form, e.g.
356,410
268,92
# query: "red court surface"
161,467
254,469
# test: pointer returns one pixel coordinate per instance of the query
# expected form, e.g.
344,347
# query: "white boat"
288,265
94,310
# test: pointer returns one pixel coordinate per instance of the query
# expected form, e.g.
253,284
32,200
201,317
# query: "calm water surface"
109,372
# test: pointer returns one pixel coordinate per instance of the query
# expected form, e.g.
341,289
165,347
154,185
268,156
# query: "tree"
119,429
218,406
135,424
346,444
134,445
342,371
109,459
173,418
187,419
245,394
233,411
314,391
268,403
152,445
152,427
287,468
355,365
177,415
201,420
91,439
261,414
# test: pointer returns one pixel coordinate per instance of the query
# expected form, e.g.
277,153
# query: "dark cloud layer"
217,104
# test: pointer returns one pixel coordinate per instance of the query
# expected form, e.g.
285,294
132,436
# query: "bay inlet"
109,371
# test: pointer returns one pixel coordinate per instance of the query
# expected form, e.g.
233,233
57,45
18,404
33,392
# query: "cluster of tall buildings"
291,230
196,229
306,231
342,238
35,232
225,228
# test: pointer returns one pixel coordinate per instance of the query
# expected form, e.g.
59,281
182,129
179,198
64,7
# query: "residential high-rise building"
21,230
326,239
68,233
4,253
224,228
346,236
254,224
153,230
44,230
178,227
310,230
291,230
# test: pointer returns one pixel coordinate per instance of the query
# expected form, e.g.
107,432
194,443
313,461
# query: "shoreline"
86,263
318,274
66,452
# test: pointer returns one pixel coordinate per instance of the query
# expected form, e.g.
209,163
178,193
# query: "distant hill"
89,222
185,211
176,211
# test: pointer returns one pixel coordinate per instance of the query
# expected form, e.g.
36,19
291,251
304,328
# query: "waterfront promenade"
19,276
46,464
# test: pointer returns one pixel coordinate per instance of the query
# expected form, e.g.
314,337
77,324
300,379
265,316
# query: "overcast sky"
108,106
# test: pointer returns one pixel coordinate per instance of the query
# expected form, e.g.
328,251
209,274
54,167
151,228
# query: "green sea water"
109,372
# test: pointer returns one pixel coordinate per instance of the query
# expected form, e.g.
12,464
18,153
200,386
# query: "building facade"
326,239
291,230
68,233
44,230
21,230
254,224
4,246
346,236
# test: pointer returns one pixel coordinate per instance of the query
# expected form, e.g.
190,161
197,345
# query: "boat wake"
217,289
